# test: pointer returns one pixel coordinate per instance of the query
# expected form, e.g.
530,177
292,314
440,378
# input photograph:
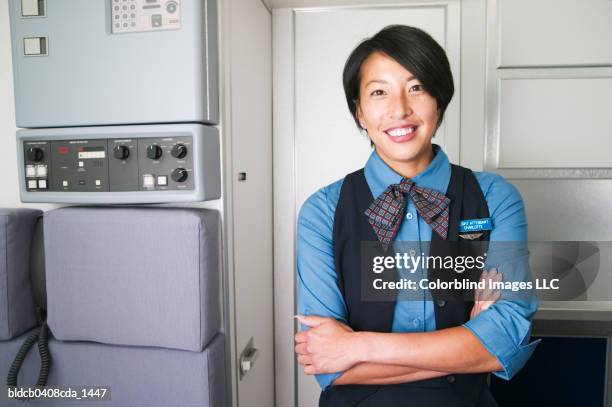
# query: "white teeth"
401,132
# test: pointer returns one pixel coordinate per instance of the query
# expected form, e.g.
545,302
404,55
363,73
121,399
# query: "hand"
328,346
483,299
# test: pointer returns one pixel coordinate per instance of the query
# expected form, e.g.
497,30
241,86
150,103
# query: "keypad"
124,15
145,15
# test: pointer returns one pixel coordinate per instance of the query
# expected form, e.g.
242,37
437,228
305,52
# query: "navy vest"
351,228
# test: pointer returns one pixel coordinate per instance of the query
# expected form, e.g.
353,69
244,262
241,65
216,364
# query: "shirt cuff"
326,380
507,341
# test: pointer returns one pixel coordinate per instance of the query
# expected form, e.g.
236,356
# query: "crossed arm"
388,358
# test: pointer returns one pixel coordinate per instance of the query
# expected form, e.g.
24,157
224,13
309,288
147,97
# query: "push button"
35,46
41,170
148,181
42,184
32,8
32,184
156,20
30,171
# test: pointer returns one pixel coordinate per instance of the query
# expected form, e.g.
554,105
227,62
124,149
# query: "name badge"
475,225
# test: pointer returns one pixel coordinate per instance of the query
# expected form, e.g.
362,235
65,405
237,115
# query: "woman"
405,353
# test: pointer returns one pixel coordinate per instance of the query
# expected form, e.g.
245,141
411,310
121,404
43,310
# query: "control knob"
121,152
179,150
35,154
154,152
171,7
179,175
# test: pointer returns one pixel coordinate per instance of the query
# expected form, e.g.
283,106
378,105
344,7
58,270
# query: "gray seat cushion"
133,275
137,376
17,306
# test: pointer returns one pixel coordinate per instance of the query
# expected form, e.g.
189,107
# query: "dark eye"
416,88
377,92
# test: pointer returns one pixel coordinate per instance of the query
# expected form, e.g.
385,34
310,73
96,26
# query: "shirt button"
412,253
409,215
416,322
450,379
441,303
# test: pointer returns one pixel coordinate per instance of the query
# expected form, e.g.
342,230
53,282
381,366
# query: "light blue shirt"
503,329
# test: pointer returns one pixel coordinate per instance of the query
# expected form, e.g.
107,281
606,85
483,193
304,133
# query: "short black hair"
412,48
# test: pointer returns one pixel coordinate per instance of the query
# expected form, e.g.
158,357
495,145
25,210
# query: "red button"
62,150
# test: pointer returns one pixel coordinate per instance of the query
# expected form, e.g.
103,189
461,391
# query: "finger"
484,275
492,276
477,308
478,292
304,360
301,349
486,294
486,304
490,295
489,301
310,370
311,320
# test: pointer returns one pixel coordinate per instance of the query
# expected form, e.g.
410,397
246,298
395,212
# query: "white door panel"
567,209
564,121
251,153
555,32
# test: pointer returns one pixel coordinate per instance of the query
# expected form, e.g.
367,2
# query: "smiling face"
398,114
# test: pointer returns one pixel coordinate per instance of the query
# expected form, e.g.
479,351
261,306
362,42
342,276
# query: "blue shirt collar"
436,176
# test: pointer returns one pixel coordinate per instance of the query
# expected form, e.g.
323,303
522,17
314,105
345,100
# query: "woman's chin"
403,152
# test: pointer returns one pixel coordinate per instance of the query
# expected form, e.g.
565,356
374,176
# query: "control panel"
145,15
109,165
127,162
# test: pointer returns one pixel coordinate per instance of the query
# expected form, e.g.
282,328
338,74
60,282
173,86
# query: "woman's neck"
411,168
